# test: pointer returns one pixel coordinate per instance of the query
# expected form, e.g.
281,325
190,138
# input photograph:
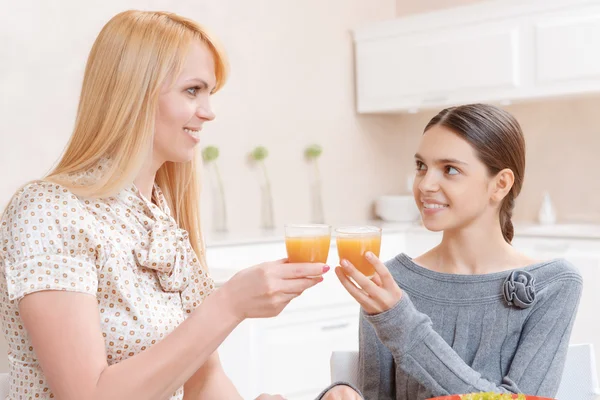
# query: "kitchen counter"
561,231
276,235
222,245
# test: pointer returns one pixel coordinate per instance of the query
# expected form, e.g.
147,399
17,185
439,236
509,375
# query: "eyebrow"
443,160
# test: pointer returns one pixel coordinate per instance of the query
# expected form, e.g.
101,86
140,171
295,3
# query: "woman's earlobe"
505,180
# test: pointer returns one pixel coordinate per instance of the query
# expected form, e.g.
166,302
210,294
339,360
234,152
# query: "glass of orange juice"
307,242
354,241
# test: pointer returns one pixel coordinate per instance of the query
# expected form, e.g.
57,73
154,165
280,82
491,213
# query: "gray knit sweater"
450,334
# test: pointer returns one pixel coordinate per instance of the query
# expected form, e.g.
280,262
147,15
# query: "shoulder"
40,204
399,263
556,271
39,193
407,274
556,282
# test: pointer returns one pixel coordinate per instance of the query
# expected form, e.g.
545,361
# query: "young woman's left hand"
375,295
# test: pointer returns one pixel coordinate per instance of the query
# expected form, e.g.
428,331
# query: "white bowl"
397,208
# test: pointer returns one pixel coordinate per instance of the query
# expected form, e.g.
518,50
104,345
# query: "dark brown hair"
498,141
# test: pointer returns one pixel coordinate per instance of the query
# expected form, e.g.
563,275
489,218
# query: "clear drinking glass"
307,242
354,241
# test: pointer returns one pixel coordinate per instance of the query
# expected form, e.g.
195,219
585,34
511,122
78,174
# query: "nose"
429,182
204,112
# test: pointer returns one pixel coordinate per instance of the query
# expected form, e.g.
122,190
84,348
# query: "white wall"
291,85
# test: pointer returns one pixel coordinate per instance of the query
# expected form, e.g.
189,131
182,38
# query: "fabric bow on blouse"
169,252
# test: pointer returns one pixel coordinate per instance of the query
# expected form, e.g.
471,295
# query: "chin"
437,224
182,157
434,226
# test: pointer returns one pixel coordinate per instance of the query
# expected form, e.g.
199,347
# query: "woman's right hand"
264,290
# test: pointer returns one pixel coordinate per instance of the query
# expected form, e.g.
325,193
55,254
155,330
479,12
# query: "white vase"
219,210
266,209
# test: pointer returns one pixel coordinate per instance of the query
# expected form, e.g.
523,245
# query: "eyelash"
448,167
196,88
420,169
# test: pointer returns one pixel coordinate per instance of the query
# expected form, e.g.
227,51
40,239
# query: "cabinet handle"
335,326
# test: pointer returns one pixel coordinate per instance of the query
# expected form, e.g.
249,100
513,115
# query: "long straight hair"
135,52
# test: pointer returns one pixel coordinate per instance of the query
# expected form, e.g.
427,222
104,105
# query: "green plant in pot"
312,154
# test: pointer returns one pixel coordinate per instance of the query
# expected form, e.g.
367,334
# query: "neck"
478,248
146,177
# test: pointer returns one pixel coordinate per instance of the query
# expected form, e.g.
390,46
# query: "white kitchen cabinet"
425,69
288,354
297,349
491,51
567,44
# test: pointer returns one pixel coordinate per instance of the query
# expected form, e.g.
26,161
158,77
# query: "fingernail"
321,279
344,263
369,254
326,268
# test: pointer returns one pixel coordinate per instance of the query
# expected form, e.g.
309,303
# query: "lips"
433,204
195,133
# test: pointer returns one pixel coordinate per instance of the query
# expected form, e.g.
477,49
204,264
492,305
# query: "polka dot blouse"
126,251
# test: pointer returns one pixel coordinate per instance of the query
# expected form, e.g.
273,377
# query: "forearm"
423,354
159,371
217,387
210,383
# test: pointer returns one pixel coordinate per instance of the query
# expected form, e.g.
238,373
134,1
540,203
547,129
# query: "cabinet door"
295,356
567,44
426,69
239,357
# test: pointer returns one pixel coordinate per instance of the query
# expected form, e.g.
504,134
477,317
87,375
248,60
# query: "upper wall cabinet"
493,51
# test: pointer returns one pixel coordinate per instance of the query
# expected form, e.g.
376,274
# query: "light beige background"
291,85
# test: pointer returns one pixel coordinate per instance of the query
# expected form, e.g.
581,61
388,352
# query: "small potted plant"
312,154
258,155
209,156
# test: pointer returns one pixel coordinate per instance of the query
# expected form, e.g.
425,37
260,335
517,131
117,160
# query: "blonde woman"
103,277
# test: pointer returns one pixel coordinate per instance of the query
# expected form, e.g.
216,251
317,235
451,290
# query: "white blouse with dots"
124,250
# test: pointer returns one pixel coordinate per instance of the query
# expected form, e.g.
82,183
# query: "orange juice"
353,249
307,248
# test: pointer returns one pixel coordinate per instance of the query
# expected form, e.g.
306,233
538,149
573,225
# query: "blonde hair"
135,52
